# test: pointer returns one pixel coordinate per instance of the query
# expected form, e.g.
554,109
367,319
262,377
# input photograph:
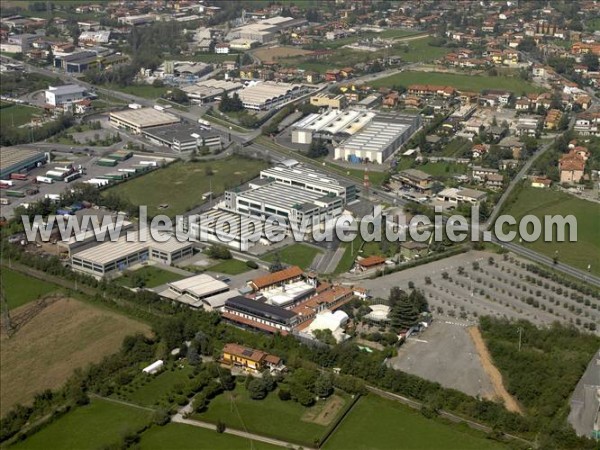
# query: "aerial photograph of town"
300,224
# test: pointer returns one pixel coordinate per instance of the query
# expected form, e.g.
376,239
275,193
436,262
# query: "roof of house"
371,261
244,352
277,277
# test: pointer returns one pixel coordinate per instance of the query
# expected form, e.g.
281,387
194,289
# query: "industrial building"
265,30
379,140
267,95
115,256
268,198
17,159
322,100
311,180
333,125
67,94
184,137
209,90
137,120
199,292
257,315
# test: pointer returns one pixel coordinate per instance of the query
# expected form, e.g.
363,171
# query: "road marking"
418,340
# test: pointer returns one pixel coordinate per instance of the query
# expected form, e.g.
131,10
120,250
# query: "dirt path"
492,371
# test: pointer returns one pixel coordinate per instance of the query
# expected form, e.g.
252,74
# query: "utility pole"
520,333
6,320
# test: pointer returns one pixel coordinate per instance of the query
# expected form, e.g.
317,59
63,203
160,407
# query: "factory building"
199,292
311,180
137,120
258,315
265,30
67,94
266,198
270,94
16,159
209,90
111,257
184,137
379,140
333,125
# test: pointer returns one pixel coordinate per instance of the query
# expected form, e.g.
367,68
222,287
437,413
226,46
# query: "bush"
284,395
252,264
221,427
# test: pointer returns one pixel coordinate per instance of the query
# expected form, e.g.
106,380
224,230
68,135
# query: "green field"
20,289
230,267
140,90
181,185
98,425
152,276
443,169
18,115
268,417
379,424
186,437
419,50
540,202
300,255
475,83
158,386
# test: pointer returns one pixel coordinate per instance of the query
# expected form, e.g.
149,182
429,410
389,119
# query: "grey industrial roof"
14,156
66,89
305,174
260,309
179,132
280,195
145,117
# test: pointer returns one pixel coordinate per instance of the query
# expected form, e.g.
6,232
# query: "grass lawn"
230,267
377,424
395,33
351,251
158,386
541,202
419,50
269,417
187,437
18,114
459,81
376,178
152,275
141,90
443,169
300,255
20,289
457,147
181,185
97,425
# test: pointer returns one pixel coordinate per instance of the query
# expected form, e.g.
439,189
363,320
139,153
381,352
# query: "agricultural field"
540,202
274,53
419,50
65,335
181,185
230,267
150,276
475,284
286,420
475,83
20,289
187,437
101,424
379,424
18,115
296,254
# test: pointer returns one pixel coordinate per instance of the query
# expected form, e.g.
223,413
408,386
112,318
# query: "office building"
67,94
182,138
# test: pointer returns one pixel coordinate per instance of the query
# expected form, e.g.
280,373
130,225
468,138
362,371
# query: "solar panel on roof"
247,352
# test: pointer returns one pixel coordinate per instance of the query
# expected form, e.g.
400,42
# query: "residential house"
249,359
541,182
413,250
572,165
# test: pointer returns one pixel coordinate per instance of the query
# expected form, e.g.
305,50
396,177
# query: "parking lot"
88,162
470,285
445,353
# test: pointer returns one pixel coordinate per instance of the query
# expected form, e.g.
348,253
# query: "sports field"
101,424
286,420
20,289
541,202
52,343
296,254
181,185
379,424
187,437
475,83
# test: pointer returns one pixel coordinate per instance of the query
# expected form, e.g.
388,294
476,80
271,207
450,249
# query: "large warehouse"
379,140
333,124
17,159
311,180
199,291
137,120
114,256
270,94
209,90
183,137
